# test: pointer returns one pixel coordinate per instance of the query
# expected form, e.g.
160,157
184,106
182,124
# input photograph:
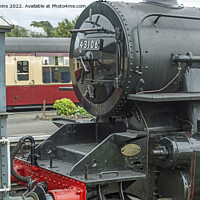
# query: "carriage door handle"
33,82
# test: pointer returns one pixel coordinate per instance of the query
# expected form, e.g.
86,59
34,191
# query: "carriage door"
23,81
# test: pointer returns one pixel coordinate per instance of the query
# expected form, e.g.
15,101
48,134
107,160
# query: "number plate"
90,44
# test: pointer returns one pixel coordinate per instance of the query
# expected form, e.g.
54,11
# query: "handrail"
8,188
158,15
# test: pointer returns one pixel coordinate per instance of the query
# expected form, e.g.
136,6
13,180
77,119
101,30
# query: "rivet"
78,191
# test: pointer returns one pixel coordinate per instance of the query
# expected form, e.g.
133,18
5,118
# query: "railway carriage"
35,70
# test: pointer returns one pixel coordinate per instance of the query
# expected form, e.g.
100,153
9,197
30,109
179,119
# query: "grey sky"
24,16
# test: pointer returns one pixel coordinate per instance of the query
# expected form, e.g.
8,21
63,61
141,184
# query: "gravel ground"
24,123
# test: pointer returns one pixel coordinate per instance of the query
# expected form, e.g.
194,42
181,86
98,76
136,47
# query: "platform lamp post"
5,26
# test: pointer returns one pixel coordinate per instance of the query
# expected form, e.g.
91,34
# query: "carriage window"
66,60
60,60
22,70
56,75
55,60
45,60
51,60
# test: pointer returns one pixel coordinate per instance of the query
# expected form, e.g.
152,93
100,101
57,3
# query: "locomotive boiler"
135,66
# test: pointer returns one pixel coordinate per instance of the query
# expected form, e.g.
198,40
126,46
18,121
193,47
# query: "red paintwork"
10,95
66,194
78,74
61,187
36,94
34,168
23,95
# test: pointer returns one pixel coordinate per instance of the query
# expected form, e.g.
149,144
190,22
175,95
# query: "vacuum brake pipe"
32,155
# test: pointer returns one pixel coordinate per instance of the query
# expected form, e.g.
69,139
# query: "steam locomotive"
135,66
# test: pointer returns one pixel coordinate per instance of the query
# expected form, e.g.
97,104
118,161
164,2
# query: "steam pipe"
189,59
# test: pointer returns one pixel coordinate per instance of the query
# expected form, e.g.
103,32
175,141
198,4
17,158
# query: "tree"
19,31
46,25
64,28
